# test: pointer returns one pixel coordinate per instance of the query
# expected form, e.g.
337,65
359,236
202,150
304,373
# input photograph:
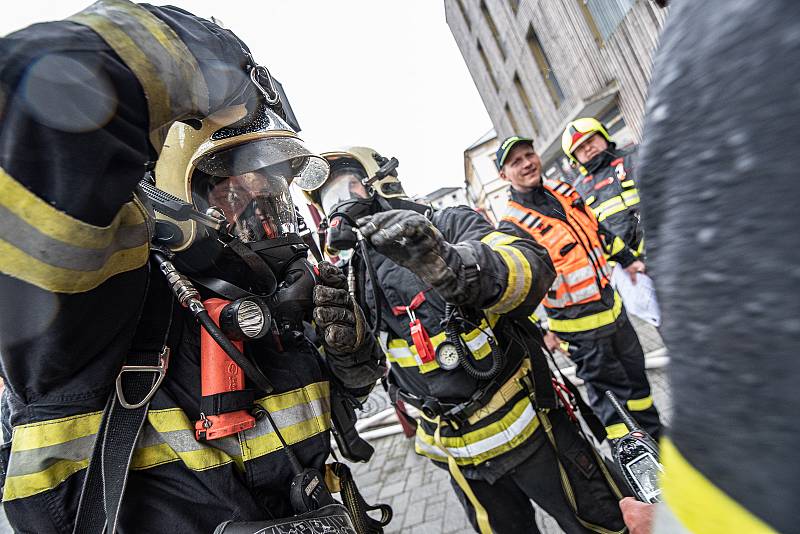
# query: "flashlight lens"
250,318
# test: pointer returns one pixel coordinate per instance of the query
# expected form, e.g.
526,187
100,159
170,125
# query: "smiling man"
582,307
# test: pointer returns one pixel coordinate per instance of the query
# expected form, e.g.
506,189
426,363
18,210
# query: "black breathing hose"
464,359
373,278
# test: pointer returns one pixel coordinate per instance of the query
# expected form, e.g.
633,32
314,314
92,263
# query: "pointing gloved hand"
351,351
411,240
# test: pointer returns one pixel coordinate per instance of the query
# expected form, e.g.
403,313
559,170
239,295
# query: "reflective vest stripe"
684,486
399,352
65,445
588,322
56,252
628,183
492,440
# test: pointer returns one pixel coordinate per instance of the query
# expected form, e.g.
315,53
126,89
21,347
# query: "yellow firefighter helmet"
239,164
577,132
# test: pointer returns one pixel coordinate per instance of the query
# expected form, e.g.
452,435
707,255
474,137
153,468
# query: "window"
603,16
514,5
490,22
487,65
545,68
464,14
512,121
526,102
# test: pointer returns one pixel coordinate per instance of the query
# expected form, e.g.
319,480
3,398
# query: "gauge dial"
447,356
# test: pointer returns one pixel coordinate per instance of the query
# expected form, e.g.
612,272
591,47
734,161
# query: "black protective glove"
411,240
351,351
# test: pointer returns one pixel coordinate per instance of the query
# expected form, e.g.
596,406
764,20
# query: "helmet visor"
344,184
283,156
257,204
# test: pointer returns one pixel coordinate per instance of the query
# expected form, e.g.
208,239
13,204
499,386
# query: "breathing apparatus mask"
233,173
346,199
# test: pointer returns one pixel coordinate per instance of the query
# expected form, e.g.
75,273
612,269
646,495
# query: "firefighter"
448,298
85,104
607,180
582,307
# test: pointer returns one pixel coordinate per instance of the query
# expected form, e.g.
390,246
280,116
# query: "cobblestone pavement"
420,493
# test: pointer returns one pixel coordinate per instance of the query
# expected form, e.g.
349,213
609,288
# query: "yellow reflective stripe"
168,72
398,351
700,505
628,183
590,200
640,405
60,253
617,246
496,239
630,197
45,454
487,442
481,515
589,322
55,431
616,431
519,282
17,487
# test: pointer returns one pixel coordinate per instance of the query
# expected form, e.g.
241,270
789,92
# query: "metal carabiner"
161,369
271,97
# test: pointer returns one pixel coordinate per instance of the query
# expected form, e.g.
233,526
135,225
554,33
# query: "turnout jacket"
611,191
581,301
83,106
515,274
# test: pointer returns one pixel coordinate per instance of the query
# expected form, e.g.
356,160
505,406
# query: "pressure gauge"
447,356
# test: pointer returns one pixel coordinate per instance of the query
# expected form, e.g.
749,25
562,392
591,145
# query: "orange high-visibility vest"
574,246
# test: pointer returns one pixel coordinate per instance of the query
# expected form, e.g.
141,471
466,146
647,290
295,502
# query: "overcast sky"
380,73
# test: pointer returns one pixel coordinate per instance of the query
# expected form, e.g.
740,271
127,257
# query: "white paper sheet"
639,299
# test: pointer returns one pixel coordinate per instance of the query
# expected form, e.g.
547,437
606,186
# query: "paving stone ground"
420,493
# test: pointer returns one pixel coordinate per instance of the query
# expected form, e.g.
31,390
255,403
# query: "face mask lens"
257,204
342,185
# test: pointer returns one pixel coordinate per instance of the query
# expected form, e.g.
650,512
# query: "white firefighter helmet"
355,172
239,164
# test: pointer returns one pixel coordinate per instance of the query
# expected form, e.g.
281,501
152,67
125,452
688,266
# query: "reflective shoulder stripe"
589,322
45,454
170,76
57,252
514,213
628,183
698,503
490,441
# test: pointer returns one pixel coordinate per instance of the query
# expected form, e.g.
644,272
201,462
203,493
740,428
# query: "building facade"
445,197
539,64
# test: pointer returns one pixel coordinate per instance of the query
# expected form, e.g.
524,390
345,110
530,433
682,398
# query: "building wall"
457,197
587,66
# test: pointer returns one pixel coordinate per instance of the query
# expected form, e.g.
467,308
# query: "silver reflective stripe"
477,448
30,461
585,293
581,275
57,253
